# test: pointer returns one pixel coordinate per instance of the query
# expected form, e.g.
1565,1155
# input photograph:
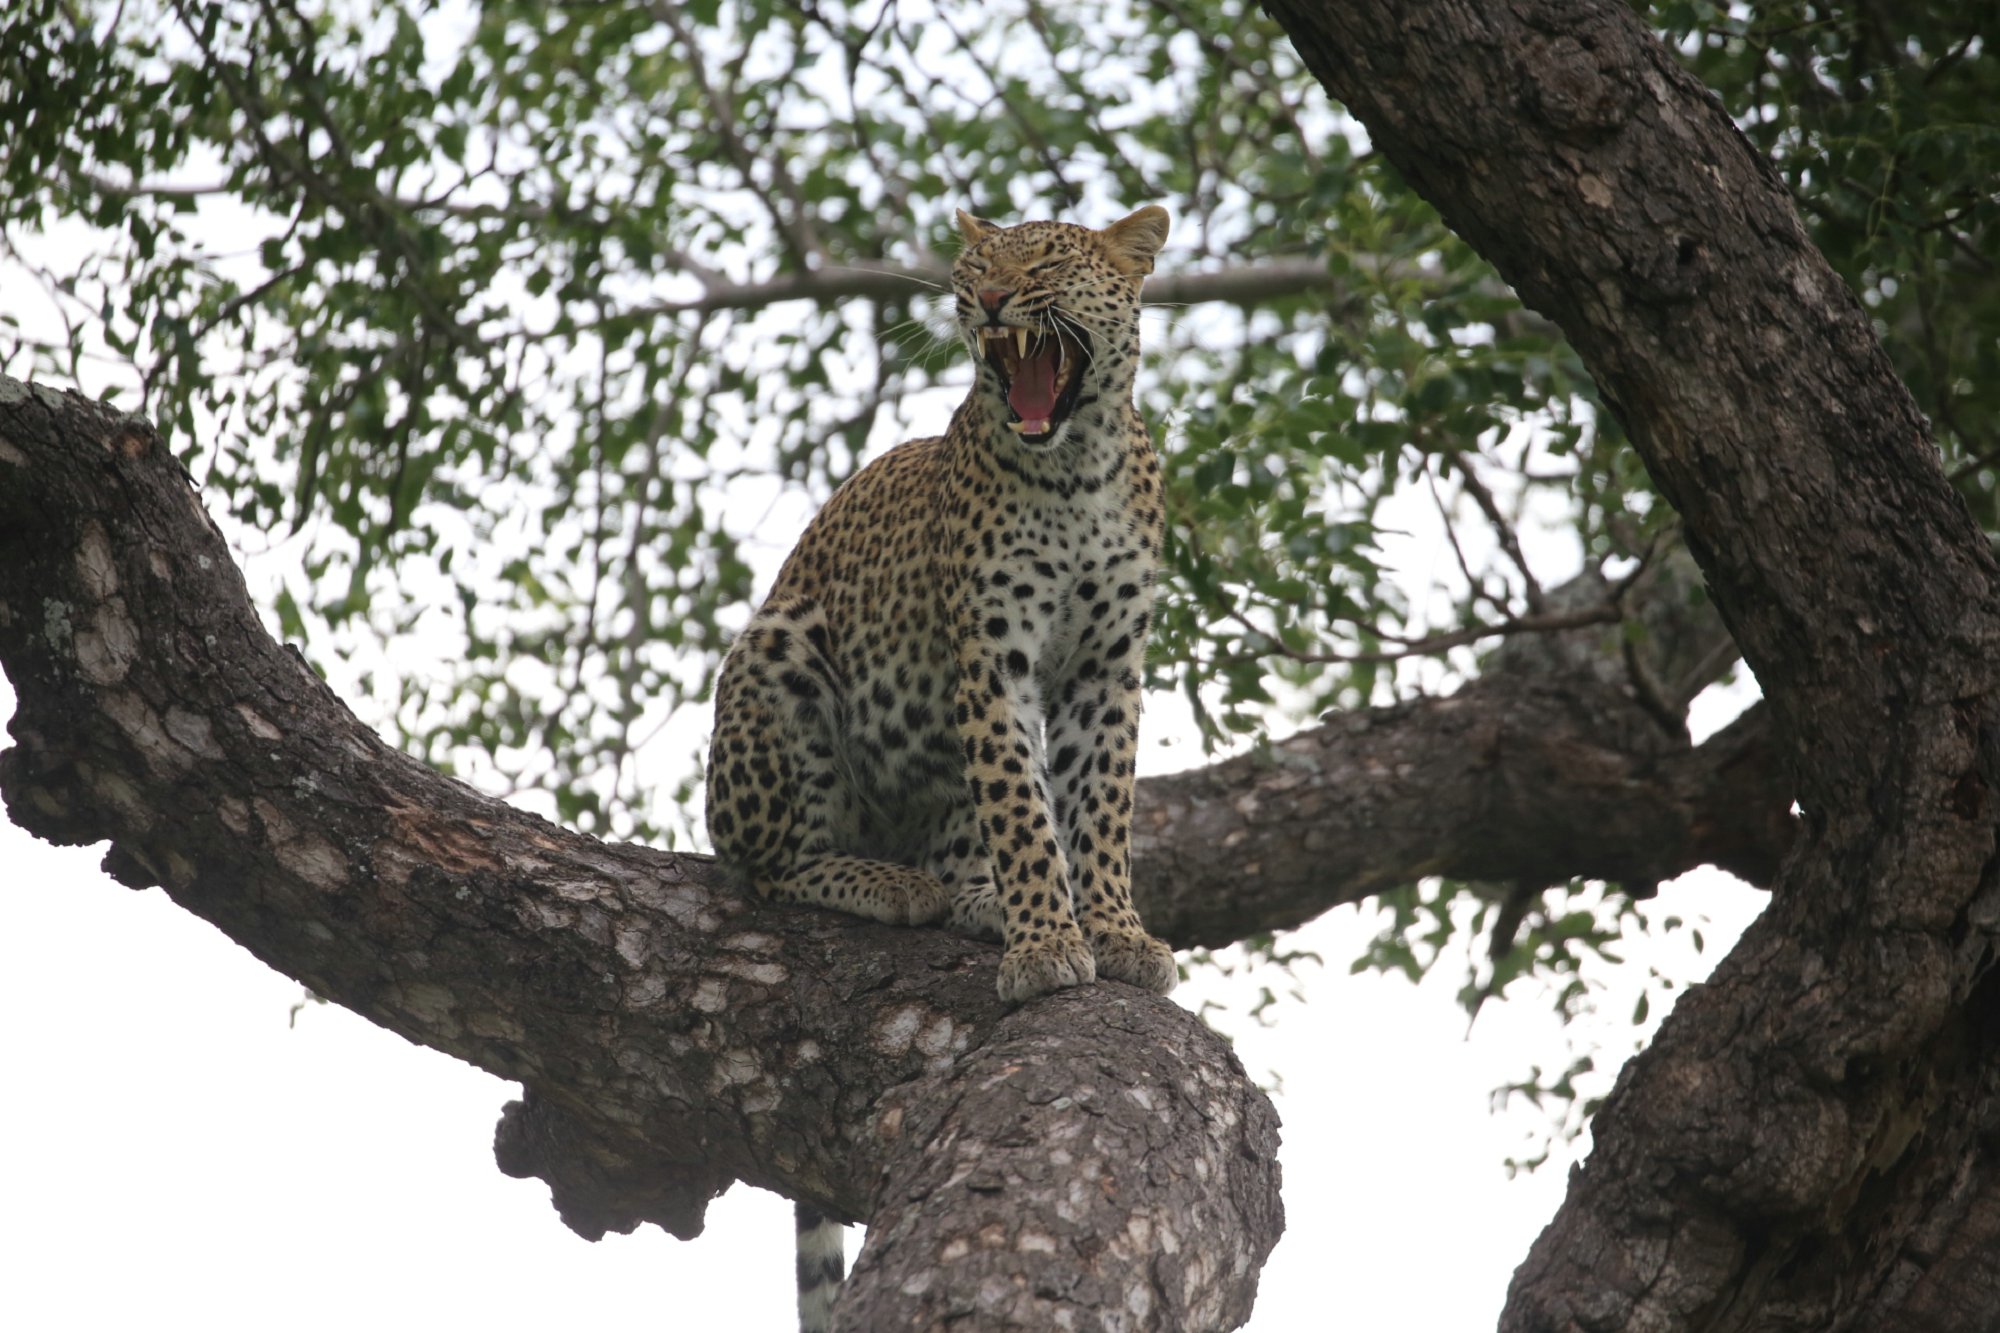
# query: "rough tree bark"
1809,1142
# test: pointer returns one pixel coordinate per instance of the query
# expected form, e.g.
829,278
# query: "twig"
1503,530
1605,613
1474,584
797,227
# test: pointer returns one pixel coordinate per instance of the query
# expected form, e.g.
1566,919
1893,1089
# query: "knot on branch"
598,1187
1580,87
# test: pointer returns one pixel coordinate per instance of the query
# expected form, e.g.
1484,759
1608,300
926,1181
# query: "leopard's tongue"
1032,394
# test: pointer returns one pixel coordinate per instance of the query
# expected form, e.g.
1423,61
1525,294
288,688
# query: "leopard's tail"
821,1265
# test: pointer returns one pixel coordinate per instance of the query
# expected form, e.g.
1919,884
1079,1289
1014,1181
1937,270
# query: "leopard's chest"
1103,580
1049,582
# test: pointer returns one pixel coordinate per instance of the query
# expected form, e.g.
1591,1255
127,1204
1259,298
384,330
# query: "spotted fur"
935,713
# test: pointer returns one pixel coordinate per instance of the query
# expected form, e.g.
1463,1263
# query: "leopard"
934,714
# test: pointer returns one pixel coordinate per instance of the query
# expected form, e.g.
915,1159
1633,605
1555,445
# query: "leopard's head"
1051,313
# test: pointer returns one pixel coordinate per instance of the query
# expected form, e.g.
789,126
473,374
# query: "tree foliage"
542,325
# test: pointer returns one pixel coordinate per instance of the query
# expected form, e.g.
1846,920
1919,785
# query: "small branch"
795,225
1502,528
1475,585
878,280
1546,623
1052,162
373,215
1225,55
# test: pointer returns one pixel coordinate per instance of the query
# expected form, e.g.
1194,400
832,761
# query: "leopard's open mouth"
1040,373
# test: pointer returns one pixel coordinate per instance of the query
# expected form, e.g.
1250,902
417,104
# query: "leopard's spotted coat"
935,712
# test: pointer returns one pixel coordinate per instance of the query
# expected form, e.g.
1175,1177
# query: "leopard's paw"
1029,970
895,896
1137,958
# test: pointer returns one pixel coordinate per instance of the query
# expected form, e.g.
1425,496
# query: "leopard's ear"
973,229
1133,241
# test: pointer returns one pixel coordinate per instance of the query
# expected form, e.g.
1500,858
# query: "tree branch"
881,280
1512,778
1431,645
1555,763
833,282
673,1034
794,221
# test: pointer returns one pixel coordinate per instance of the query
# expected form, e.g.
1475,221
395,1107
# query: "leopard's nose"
993,298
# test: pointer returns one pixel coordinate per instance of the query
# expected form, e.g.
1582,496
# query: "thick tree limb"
1567,757
1807,1144
1513,778
673,1035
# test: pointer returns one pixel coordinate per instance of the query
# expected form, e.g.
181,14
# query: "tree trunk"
1807,1143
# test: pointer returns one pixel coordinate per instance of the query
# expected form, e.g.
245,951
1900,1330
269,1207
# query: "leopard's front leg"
1093,740
1000,725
